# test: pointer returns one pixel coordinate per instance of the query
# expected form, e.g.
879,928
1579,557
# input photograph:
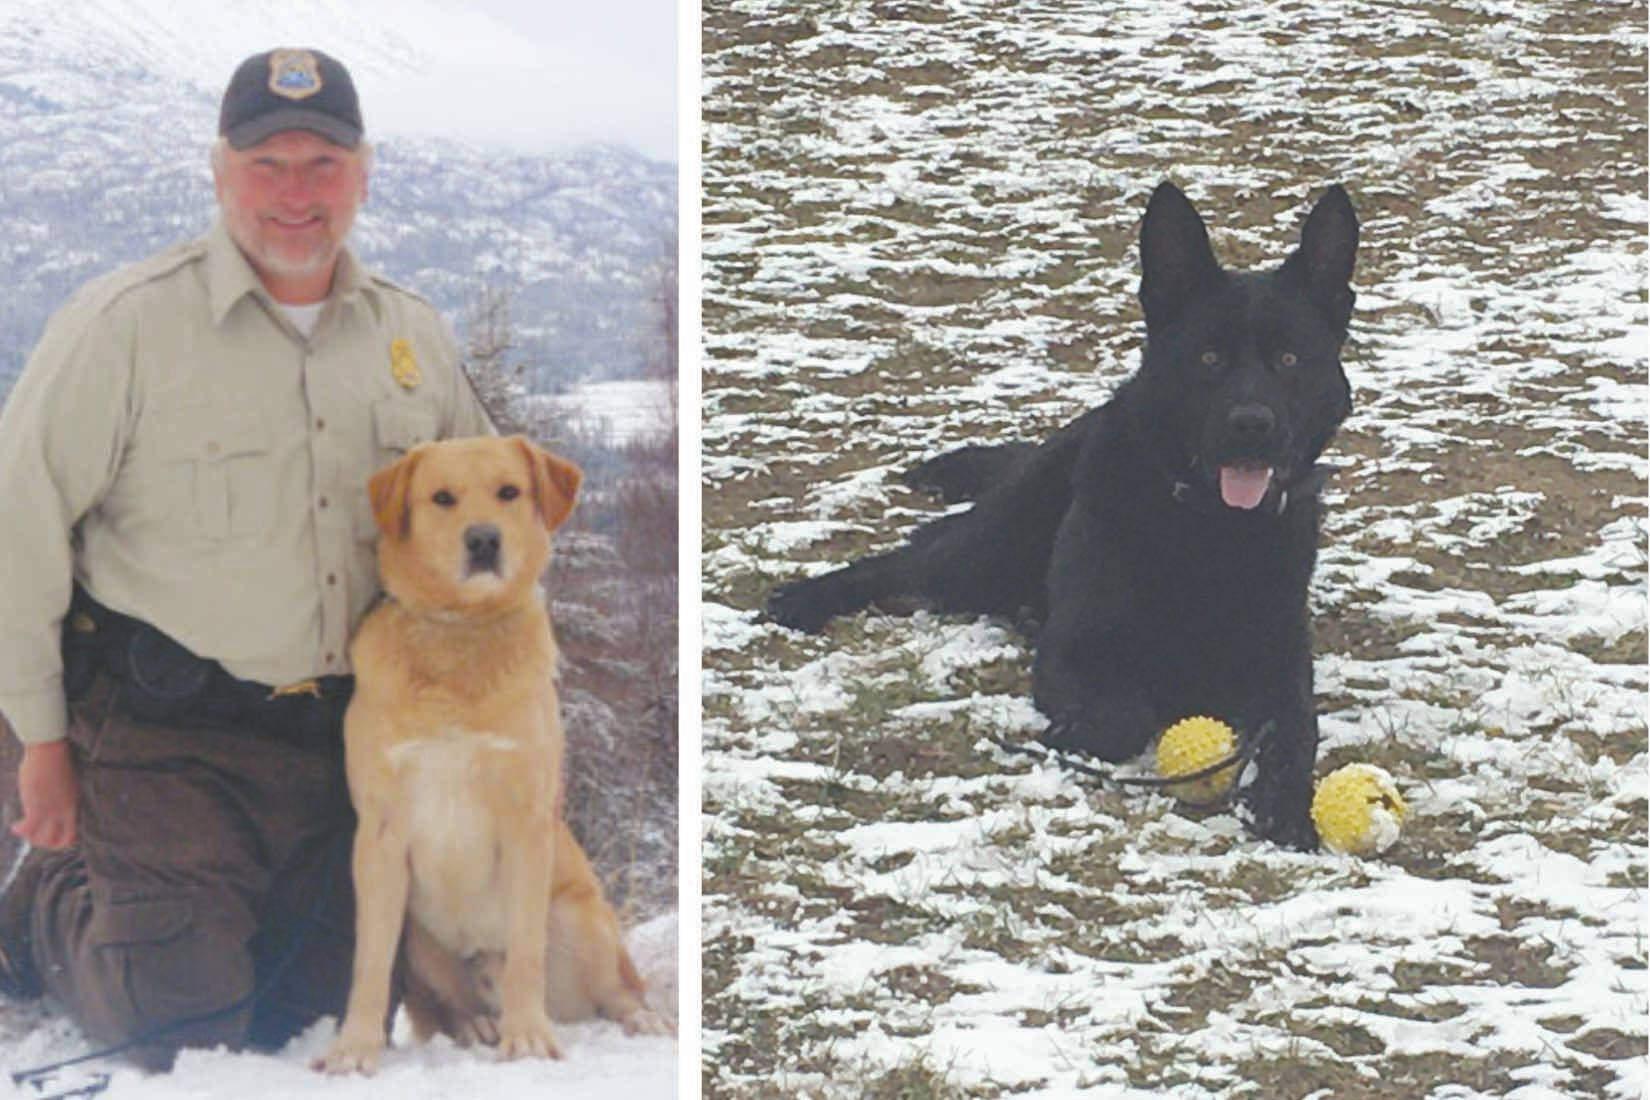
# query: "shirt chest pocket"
221,472
397,428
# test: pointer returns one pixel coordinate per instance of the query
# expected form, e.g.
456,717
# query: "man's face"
289,202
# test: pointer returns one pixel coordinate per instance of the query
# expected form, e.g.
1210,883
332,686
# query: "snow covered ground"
599,1062
919,225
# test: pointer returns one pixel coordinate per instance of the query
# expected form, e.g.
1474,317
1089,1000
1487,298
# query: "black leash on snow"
41,1076
1248,748
99,1082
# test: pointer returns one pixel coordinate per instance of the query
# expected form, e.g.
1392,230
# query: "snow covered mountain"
108,109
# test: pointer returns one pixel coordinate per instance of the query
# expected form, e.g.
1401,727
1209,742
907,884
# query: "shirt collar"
229,277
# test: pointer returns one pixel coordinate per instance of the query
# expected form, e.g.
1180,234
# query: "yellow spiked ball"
1358,810
1190,745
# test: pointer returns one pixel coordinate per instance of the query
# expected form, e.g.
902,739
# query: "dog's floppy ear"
555,482
387,490
1175,257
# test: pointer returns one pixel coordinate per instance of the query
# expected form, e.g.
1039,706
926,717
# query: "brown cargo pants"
208,859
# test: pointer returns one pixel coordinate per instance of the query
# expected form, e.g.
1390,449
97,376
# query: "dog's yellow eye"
444,498
1210,358
1287,359
508,492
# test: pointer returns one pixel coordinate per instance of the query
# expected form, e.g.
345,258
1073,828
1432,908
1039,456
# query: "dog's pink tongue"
1241,488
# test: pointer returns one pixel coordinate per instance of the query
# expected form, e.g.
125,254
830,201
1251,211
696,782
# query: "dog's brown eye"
508,492
1287,359
1210,358
444,498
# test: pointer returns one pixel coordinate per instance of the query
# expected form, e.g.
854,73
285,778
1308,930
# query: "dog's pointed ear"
387,491
1175,257
555,482
1327,253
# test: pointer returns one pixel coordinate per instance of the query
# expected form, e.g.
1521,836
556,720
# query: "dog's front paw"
1287,827
1114,731
1279,801
646,1021
1294,832
1069,733
478,1030
352,1053
527,1035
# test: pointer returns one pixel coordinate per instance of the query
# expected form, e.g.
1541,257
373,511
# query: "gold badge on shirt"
404,364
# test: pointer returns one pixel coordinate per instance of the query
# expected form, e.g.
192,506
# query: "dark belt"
159,680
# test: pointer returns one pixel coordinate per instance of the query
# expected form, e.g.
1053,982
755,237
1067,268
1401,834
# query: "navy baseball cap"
290,90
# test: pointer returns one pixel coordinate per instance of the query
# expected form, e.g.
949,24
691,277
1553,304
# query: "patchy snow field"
598,1060
919,221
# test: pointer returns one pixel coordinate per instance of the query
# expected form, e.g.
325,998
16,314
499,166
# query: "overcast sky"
574,72
534,74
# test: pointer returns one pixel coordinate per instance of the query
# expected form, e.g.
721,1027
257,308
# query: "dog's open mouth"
1244,486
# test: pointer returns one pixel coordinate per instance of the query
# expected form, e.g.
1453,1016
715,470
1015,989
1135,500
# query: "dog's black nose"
1250,423
481,542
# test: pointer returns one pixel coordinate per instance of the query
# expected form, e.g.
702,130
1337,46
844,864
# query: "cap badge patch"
404,364
294,74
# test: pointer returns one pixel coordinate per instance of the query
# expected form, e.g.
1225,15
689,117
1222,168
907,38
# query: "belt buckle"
310,687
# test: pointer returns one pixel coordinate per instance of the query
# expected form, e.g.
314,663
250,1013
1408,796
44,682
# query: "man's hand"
49,791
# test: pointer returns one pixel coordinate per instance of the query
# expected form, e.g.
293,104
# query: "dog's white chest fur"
453,834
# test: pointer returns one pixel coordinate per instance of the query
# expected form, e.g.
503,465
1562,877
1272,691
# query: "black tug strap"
1247,749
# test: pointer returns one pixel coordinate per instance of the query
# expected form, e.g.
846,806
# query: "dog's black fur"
1167,571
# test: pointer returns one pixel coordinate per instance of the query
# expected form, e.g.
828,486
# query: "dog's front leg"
1080,678
1280,797
1088,673
524,1026
381,881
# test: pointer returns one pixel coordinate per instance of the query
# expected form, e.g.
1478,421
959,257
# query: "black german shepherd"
1164,541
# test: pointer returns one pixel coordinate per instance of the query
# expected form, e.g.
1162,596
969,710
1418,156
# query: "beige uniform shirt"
178,447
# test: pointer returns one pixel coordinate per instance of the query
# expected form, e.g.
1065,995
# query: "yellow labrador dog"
453,746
